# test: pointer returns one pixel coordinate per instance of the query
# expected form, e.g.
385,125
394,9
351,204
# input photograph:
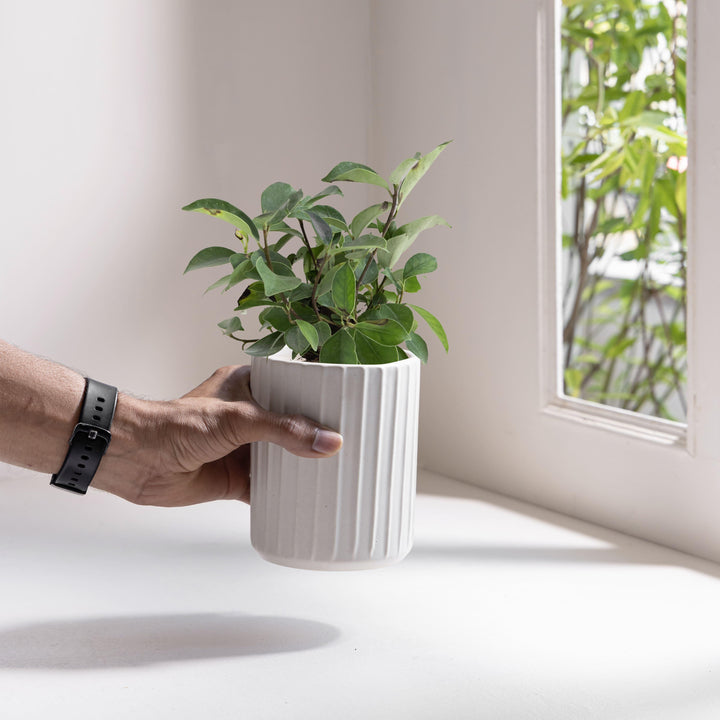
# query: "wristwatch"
90,438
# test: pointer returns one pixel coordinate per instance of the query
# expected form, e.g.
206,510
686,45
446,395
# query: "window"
624,208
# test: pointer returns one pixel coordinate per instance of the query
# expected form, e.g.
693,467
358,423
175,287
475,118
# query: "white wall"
442,71
116,114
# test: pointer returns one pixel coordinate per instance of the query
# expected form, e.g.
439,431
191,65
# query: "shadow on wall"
118,642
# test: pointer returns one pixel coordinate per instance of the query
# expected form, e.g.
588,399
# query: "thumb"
296,433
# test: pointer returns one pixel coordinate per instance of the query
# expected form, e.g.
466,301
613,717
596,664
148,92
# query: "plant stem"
390,218
307,244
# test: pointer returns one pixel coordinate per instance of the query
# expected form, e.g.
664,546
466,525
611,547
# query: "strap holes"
100,399
88,447
98,407
76,472
96,417
84,457
80,465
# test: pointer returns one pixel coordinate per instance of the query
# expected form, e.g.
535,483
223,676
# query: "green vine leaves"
330,289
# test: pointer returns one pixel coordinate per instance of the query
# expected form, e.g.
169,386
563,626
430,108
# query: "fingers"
230,383
296,433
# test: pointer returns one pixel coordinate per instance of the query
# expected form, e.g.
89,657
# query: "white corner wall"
442,71
115,114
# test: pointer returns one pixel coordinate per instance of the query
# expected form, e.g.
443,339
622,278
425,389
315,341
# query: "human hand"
196,449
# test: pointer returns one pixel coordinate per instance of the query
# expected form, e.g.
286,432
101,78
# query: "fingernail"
327,441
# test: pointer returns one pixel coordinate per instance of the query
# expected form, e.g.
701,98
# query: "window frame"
553,400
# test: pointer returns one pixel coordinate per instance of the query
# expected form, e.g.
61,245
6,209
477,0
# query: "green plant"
331,290
624,187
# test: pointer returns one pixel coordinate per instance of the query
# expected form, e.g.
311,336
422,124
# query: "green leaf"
230,325
434,323
281,213
412,285
309,332
343,289
385,332
323,332
274,283
253,296
322,229
274,196
218,283
366,216
364,242
210,257
399,173
370,352
418,170
296,341
417,346
329,190
405,236
243,271
268,345
419,264
355,172
402,314
225,211
339,348
276,317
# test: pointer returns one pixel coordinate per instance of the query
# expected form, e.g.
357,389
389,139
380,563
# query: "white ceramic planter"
352,511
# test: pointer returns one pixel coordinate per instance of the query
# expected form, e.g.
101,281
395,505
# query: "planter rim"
285,356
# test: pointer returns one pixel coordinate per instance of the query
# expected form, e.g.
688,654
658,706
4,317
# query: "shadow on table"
619,547
116,642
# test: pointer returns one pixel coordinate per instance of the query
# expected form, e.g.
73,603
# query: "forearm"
40,405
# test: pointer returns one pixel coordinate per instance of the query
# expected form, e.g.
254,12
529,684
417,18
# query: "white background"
117,114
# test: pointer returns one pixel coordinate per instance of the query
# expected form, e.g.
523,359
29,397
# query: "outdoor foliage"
331,289
624,190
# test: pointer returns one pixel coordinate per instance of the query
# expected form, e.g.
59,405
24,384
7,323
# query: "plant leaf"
276,317
218,283
364,242
274,196
419,264
329,190
274,283
418,170
366,216
322,229
243,271
268,345
399,173
434,323
323,332
309,332
253,296
417,346
355,172
370,352
385,332
210,257
225,211
296,341
343,288
339,348
393,311
230,325
405,236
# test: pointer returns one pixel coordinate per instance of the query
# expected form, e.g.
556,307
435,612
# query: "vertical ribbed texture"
354,510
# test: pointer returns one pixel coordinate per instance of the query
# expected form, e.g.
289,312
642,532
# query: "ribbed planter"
354,510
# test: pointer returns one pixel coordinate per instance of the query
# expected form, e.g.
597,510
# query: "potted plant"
339,343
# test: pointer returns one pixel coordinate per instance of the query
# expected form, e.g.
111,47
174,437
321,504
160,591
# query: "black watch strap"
90,438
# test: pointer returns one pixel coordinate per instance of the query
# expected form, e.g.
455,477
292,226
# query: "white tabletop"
501,611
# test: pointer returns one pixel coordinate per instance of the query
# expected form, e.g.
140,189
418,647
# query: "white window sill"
502,610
